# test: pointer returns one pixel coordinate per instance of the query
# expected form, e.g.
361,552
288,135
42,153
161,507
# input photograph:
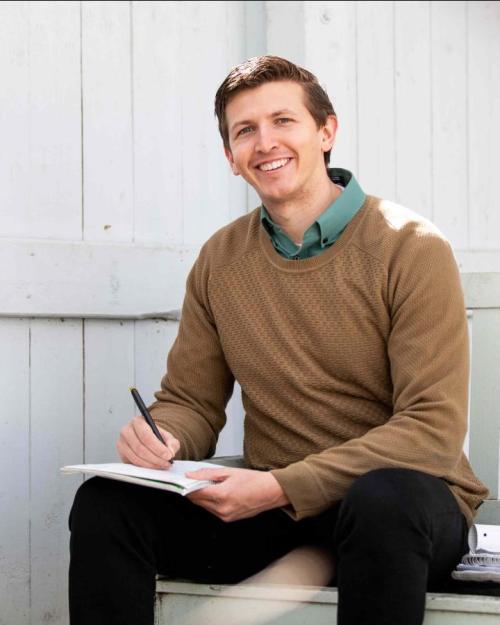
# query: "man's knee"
388,499
97,503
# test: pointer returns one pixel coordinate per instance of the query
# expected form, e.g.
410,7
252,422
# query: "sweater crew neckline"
314,262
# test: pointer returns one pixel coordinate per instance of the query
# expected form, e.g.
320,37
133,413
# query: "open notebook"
173,479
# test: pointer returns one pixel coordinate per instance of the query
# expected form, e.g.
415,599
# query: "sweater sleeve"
198,383
428,352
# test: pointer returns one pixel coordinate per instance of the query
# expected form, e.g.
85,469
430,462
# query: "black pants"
396,534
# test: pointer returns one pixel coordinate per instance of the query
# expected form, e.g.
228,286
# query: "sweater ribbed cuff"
302,489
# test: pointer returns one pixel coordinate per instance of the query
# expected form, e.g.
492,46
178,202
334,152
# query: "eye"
244,131
283,120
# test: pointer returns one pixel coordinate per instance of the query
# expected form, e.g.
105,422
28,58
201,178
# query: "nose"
266,139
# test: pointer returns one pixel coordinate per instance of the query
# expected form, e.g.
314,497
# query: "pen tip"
131,388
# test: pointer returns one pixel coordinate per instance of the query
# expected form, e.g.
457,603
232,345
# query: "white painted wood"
109,373
285,34
206,175
183,603
107,122
481,290
413,106
330,53
483,74
485,408
15,109
449,119
40,162
375,67
85,278
478,261
152,342
255,28
470,325
238,49
158,82
56,440
15,526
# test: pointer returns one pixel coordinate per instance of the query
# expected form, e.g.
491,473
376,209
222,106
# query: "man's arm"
429,360
198,382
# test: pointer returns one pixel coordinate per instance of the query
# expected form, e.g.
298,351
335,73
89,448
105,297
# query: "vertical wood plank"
255,28
470,325
285,34
413,106
205,171
484,438
484,123
109,373
14,122
330,53
236,13
56,440
449,125
15,472
153,340
158,141
107,121
40,172
375,54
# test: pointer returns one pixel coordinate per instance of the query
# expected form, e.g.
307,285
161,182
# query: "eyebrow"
244,122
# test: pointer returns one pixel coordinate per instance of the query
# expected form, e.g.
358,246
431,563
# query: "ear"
229,156
328,132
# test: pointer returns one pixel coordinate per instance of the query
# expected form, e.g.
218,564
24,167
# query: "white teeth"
274,164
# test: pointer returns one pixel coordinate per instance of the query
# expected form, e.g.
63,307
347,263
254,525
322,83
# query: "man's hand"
138,445
239,493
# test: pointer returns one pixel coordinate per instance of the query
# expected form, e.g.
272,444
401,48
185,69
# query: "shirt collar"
329,225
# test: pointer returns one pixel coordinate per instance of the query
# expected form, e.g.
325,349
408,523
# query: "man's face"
274,142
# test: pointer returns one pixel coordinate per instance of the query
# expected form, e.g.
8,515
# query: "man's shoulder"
232,241
390,230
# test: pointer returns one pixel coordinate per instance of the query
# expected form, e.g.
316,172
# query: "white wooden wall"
112,175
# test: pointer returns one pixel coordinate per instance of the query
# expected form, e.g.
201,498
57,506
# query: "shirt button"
324,241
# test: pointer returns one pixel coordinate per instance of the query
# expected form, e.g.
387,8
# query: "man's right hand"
138,445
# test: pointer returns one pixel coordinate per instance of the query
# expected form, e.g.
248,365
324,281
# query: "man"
342,318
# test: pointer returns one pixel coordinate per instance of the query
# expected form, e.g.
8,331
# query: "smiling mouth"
274,165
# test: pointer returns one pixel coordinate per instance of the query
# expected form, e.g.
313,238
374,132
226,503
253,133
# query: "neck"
295,216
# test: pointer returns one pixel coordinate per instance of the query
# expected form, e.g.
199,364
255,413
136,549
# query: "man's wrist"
280,498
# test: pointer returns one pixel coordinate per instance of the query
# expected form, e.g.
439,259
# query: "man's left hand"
239,493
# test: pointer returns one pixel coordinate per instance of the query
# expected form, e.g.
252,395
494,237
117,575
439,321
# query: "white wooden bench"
186,603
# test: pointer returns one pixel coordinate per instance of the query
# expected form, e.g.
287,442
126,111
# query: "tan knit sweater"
348,361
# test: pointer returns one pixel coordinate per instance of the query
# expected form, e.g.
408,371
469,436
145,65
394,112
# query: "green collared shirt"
329,225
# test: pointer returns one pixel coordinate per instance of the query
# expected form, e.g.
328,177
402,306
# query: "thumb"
214,475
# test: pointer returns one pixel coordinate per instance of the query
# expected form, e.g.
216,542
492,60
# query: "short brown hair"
261,69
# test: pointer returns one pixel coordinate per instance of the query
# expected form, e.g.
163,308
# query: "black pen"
145,413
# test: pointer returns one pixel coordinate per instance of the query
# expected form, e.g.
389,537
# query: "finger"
141,450
146,437
172,443
131,457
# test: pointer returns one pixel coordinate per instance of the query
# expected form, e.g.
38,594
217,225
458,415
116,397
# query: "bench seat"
184,603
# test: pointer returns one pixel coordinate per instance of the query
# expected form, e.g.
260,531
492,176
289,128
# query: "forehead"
264,100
